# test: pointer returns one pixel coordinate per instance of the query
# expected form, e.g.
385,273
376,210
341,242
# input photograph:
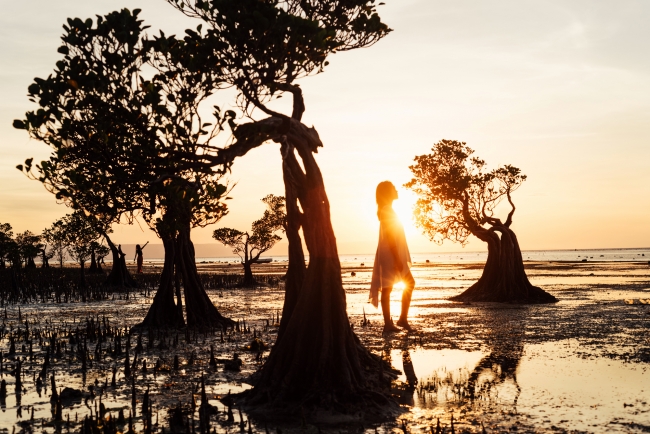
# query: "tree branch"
512,211
298,99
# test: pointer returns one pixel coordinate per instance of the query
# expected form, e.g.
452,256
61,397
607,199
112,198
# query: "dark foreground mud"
580,365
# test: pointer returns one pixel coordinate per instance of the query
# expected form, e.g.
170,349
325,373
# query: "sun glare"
404,209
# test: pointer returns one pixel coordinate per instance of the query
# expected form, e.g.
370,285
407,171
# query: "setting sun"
404,209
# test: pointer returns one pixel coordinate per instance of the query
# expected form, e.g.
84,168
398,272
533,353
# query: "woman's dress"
140,259
384,272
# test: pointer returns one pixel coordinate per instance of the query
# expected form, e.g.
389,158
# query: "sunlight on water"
427,363
547,383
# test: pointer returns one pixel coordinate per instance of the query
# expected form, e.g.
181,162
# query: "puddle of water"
568,391
427,363
547,385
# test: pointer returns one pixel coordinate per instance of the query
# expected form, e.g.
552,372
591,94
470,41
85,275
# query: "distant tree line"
72,236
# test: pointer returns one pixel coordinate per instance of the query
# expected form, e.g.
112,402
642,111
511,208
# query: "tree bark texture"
296,270
317,359
163,311
198,307
180,266
249,280
504,278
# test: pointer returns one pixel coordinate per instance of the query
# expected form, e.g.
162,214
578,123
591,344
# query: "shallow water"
580,364
607,255
550,387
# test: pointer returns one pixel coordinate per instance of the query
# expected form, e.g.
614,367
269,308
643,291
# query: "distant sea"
636,254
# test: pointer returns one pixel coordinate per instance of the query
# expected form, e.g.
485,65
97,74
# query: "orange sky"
560,89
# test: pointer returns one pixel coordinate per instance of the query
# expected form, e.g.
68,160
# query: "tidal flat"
580,365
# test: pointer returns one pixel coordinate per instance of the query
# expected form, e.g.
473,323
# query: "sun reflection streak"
396,297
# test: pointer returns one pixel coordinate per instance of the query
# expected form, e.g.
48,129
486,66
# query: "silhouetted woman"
392,260
139,257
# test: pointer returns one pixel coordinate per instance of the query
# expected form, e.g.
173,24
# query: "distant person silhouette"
139,257
392,260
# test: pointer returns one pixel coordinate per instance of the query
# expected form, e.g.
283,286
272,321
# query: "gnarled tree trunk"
198,307
317,360
119,275
163,311
296,270
249,280
504,278
180,266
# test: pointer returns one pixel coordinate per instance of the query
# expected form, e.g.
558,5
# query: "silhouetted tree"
98,252
46,255
29,247
121,113
10,251
250,246
458,198
79,236
7,244
317,359
55,238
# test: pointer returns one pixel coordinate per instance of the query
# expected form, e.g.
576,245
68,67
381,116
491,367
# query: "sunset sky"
560,89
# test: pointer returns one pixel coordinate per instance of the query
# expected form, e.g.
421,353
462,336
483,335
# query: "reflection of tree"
486,380
506,343
498,367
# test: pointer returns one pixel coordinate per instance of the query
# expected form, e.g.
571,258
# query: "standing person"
392,260
139,257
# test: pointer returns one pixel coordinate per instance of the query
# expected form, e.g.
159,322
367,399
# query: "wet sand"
580,365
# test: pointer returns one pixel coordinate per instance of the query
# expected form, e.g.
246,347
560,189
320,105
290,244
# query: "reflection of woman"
138,256
392,260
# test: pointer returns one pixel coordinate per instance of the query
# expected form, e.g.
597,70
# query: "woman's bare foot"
390,328
405,325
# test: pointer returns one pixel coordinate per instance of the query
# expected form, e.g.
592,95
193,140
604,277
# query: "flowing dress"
140,259
384,272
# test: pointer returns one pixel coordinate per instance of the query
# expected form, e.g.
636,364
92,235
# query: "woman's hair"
137,247
386,194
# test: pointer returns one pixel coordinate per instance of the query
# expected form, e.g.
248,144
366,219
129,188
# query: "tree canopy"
266,46
56,239
29,246
457,195
121,115
8,247
79,236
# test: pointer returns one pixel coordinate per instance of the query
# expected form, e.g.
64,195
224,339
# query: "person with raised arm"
139,257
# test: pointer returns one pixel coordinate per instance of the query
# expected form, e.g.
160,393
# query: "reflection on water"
545,384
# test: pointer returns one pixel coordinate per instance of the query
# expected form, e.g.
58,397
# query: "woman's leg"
389,327
409,284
